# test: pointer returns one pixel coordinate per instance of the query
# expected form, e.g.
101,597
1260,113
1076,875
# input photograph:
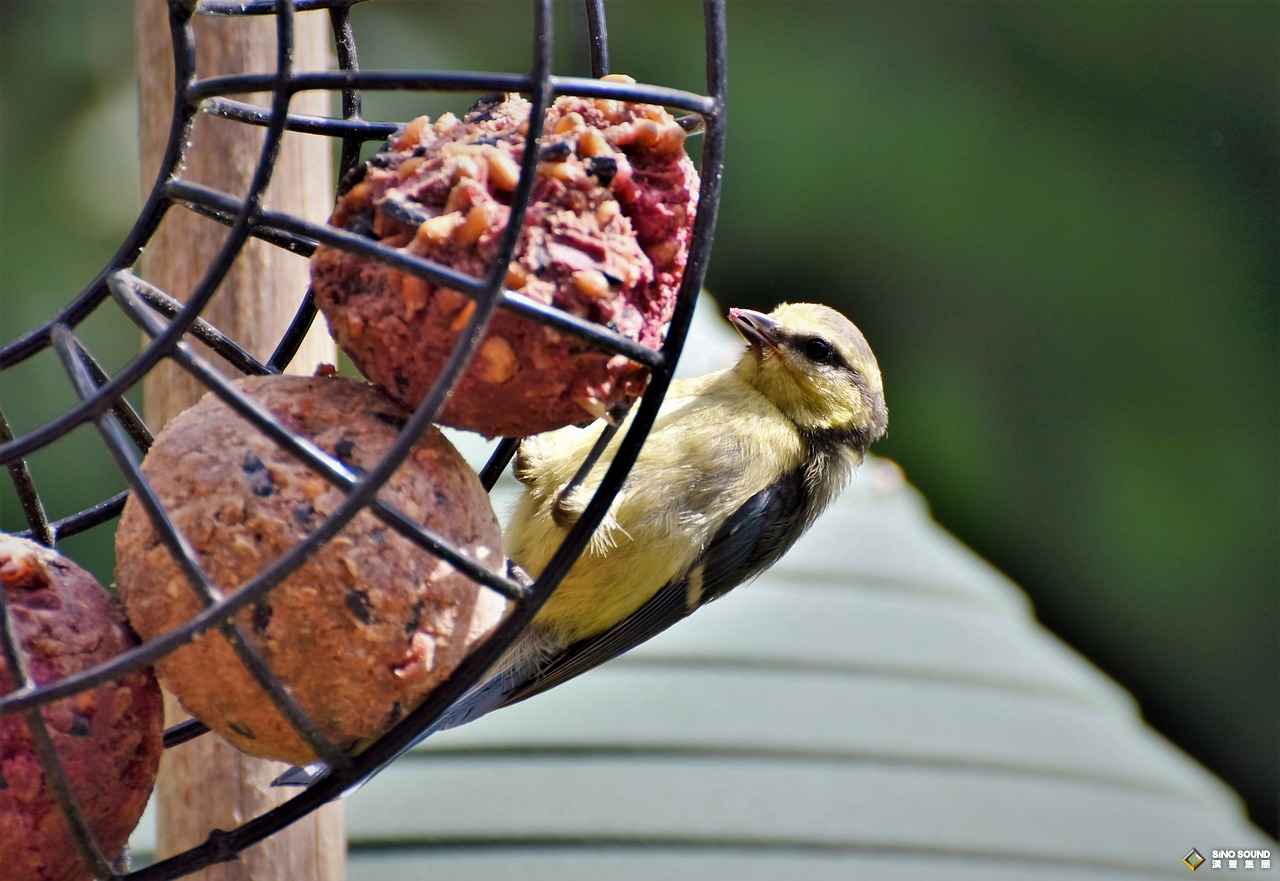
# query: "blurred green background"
1057,222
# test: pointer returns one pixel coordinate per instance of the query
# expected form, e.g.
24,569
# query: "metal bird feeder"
172,327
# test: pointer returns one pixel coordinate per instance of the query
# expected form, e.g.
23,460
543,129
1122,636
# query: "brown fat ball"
361,632
606,238
108,739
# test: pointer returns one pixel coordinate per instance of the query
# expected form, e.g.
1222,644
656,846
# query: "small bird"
736,467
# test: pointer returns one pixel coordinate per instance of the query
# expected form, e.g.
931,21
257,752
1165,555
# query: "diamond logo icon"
1193,859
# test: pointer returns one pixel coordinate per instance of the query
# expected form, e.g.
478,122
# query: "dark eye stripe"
802,343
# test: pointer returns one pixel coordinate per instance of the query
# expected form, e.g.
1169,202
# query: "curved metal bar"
94,377
498,461
451,81
704,224
637,92
187,729
266,7
39,527
598,37
348,128
293,337
467,285
163,304
344,41
222,207
83,520
303,236
381,80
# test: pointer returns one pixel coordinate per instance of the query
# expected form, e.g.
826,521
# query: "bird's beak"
757,328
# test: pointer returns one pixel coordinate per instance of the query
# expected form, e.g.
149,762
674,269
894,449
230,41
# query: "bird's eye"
818,350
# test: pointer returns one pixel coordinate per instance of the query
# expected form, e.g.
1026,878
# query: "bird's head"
816,367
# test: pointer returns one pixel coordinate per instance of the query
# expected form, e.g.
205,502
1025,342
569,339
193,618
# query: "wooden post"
206,784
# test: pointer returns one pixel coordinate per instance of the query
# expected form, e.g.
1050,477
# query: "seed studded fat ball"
605,238
363,630
108,738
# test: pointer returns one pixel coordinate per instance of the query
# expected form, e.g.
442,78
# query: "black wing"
751,541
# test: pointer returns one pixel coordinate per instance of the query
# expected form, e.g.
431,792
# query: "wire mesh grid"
171,327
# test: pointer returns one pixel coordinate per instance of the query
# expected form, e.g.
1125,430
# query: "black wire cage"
171,327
